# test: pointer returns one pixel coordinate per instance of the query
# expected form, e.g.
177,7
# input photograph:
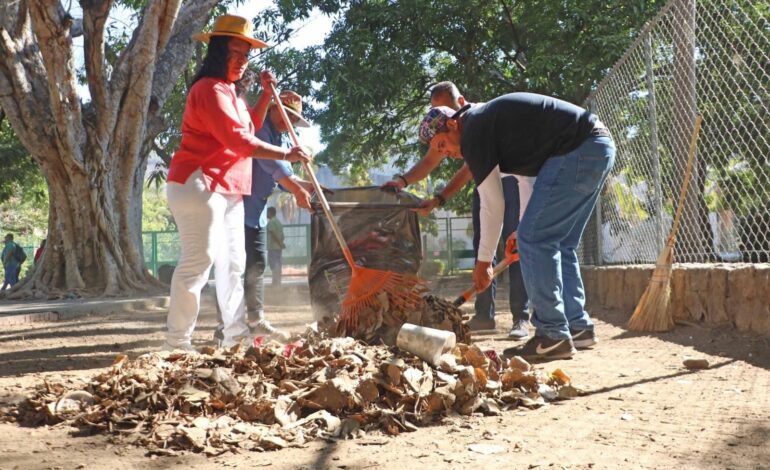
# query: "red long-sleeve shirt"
217,137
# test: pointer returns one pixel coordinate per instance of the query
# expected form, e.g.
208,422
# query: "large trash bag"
381,231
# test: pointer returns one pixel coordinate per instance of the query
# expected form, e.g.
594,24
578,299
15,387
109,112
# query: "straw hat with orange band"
233,26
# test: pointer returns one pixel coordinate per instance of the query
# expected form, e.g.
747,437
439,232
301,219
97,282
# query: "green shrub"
432,268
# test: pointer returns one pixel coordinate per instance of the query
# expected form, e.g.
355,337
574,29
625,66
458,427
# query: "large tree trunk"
92,155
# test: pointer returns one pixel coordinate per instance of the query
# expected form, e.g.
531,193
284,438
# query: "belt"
600,130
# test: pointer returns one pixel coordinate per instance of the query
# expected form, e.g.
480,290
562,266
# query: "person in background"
11,265
446,94
275,246
207,178
39,251
571,153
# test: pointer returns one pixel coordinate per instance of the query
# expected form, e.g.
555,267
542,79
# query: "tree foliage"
20,176
373,73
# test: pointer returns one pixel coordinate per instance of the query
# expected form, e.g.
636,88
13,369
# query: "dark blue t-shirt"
519,132
264,177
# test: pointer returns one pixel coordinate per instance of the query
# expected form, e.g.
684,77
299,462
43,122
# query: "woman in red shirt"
207,178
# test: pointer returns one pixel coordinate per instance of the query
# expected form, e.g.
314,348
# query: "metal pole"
597,210
654,143
154,253
450,245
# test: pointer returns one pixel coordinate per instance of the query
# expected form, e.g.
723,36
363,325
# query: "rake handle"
317,186
468,294
686,182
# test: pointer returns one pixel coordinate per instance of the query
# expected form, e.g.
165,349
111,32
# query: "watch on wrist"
402,178
441,200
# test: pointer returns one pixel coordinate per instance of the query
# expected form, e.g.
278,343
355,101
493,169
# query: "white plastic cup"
426,343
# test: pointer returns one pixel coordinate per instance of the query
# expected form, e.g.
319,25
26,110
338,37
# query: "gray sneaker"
264,328
481,324
183,347
520,330
245,341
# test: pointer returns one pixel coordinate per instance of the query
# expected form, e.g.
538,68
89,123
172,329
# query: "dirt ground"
643,409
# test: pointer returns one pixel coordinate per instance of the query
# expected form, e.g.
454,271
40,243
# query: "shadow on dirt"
724,341
672,375
81,332
67,358
751,440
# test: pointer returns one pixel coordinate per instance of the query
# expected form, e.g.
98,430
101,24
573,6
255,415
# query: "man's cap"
233,26
435,122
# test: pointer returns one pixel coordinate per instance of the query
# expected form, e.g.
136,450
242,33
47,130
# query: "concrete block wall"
714,294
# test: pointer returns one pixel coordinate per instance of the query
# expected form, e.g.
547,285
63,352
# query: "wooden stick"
317,186
686,182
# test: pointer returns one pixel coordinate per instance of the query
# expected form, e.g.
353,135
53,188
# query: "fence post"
154,253
654,143
597,210
450,245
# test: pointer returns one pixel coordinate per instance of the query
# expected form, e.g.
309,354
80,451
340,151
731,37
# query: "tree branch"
26,98
52,28
516,38
173,61
95,16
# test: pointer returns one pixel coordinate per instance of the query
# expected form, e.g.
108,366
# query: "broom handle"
318,191
686,182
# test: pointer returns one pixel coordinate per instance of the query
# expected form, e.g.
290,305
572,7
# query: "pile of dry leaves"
380,323
273,396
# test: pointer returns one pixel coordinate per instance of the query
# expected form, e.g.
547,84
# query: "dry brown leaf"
519,363
286,411
368,391
193,395
196,436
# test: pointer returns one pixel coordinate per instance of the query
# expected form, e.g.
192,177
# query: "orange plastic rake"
403,289
511,256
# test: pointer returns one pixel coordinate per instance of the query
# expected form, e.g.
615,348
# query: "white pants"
210,233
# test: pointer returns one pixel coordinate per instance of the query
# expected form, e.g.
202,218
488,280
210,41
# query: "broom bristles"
652,313
403,291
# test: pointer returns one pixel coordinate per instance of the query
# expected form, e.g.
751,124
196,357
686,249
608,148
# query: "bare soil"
643,408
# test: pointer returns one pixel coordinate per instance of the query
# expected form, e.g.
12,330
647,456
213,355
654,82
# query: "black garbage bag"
381,231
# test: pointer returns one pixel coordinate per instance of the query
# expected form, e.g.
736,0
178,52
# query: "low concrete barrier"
715,294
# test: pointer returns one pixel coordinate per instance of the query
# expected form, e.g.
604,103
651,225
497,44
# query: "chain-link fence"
709,57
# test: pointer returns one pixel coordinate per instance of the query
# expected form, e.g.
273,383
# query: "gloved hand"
511,250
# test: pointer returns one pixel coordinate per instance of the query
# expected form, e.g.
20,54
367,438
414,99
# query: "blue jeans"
253,278
485,301
563,197
12,271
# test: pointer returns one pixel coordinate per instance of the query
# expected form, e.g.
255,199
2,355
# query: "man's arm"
300,194
418,172
491,216
458,181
